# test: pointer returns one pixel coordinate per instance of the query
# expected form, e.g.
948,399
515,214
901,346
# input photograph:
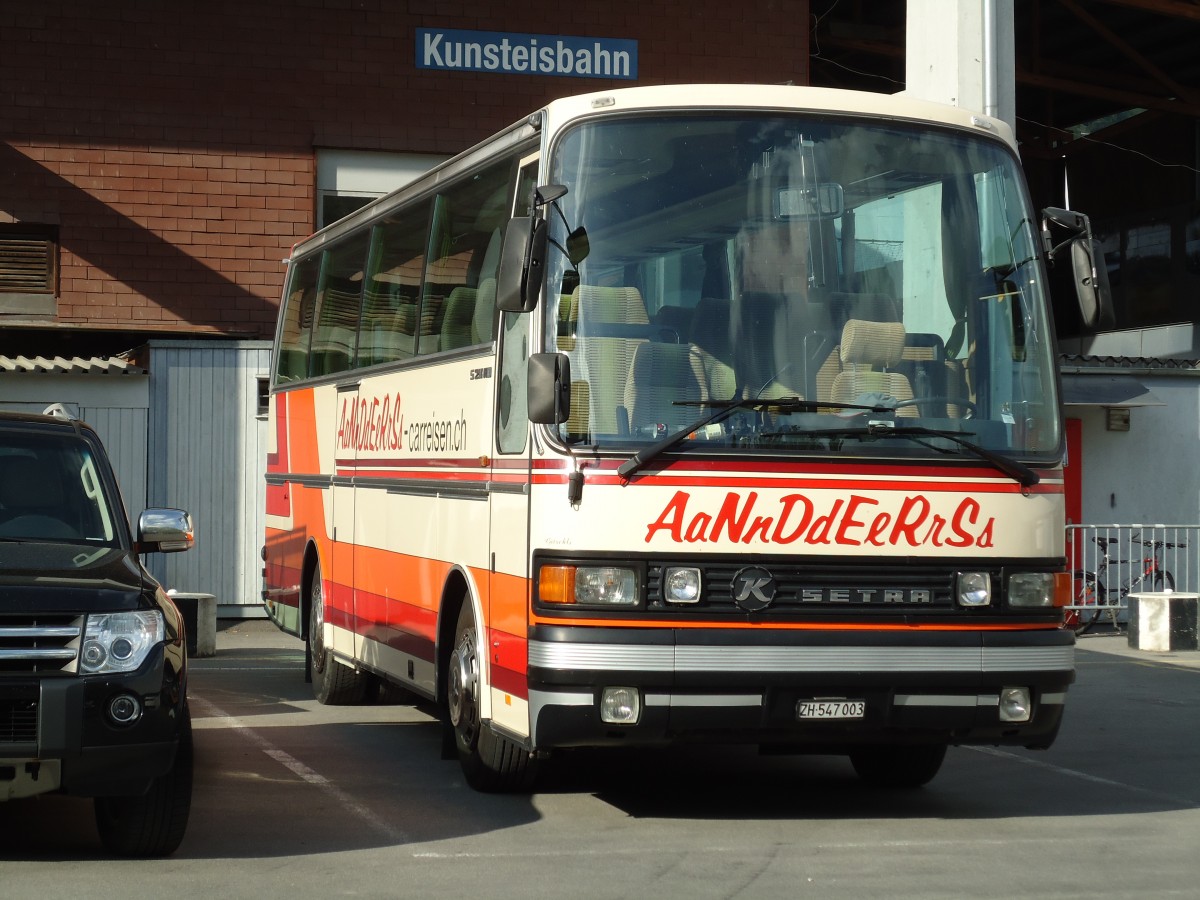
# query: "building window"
262,391
28,269
350,179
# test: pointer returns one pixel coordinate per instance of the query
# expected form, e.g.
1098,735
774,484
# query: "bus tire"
899,766
334,683
152,824
490,762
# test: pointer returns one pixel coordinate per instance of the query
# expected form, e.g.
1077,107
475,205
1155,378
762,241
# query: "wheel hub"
463,685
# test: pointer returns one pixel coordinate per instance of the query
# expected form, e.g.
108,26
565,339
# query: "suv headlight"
119,642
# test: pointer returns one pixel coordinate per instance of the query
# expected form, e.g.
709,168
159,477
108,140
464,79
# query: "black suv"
93,664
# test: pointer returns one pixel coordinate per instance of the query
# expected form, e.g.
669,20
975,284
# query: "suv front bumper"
61,737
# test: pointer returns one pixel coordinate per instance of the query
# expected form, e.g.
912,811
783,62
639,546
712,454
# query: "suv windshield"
880,274
51,491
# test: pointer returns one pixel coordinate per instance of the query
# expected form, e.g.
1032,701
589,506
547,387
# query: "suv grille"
40,644
18,714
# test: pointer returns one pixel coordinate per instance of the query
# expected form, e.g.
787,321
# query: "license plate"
831,709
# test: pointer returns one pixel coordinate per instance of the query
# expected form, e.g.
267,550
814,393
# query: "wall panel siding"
123,432
208,453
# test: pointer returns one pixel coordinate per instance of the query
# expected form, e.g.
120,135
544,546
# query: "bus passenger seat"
568,322
660,375
868,350
604,314
710,335
457,323
578,420
483,322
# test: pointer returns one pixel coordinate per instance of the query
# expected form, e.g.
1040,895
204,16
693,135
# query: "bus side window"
296,327
337,307
470,216
389,311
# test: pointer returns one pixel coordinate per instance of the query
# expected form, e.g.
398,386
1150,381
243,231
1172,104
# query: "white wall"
1148,474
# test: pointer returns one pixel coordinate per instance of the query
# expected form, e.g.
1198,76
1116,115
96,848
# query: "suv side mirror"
165,531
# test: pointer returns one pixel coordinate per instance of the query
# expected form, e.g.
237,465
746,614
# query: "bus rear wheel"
490,762
334,683
902,766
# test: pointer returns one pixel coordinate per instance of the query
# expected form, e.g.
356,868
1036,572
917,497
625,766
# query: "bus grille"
807,589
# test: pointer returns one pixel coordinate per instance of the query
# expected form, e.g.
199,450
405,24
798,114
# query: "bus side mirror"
1089,274
522,264
549,388
1090,277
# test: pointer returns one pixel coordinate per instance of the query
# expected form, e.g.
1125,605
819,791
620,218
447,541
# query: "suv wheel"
152,824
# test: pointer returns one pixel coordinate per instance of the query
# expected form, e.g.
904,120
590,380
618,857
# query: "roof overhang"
75,365
1106,390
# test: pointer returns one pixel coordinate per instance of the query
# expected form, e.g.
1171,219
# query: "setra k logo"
753,588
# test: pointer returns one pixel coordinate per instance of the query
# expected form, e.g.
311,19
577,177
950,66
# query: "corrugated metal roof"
75,365
1128,362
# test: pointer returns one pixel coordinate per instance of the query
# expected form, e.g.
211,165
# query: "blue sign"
526,54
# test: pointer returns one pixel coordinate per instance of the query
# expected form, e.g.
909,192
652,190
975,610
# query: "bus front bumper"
869,687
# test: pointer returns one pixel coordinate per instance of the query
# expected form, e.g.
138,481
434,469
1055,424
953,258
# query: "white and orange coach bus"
686,413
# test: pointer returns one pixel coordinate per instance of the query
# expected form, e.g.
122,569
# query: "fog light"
1015,705
681,585
124,709
620,706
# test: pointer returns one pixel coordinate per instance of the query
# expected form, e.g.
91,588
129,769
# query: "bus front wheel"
490,762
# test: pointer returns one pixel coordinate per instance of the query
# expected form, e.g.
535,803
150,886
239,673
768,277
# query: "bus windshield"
849,286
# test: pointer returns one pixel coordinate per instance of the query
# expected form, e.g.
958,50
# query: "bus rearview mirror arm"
523,257
550,404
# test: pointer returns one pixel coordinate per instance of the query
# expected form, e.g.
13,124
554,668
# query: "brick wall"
173,144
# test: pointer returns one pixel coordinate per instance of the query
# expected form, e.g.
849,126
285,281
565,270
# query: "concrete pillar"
1165,621
199,613
961,52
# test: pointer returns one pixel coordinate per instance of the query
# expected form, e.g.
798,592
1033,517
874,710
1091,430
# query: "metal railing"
1109,562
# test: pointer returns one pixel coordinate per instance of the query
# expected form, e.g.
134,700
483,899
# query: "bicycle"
1095,599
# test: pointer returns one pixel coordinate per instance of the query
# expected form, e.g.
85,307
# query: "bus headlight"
1031,589
604,586
974,588
681,585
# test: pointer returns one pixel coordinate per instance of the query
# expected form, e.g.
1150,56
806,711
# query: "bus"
692,413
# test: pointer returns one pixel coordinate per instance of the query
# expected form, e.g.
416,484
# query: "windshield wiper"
725,409
1015,470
